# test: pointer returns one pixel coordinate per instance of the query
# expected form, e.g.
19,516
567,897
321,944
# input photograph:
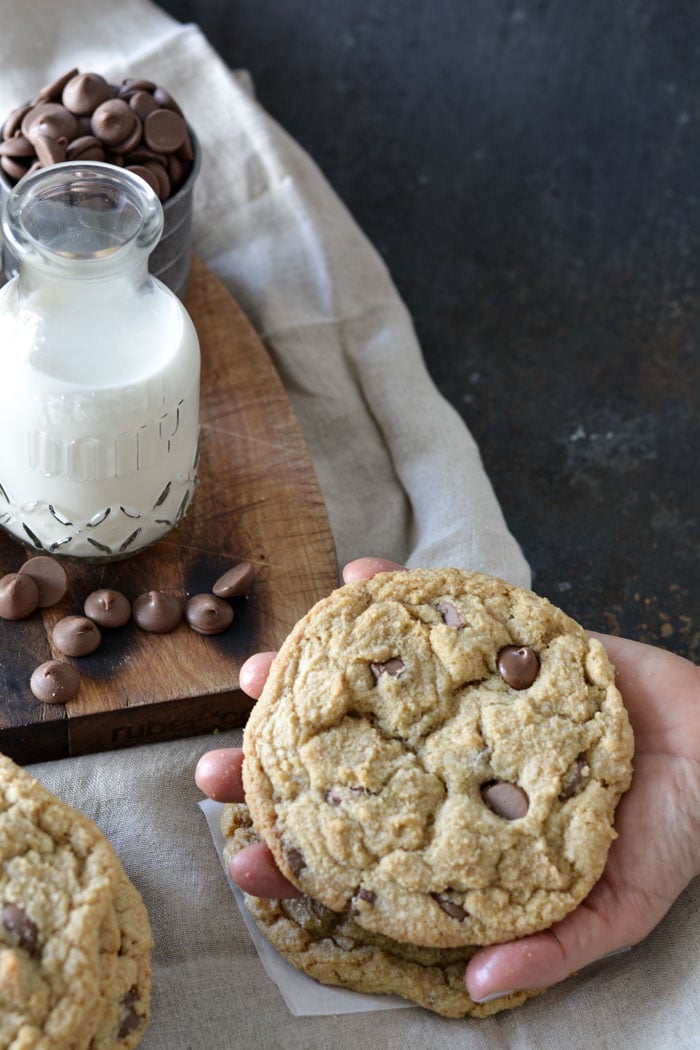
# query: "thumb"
600,926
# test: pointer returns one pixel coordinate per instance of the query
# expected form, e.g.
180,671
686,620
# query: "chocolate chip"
85,92
235,582
85,147
49,576
142,103
50,119
130,1019
450,614
207,614
49,150
574,779
164,130
52,91
18,146
506,800
295,859
14,168
19,596
54,682
13,123
455,911
107,607
394,667
518,666
76,636
81,106
157,611
19,925
113,121
368,896
146,174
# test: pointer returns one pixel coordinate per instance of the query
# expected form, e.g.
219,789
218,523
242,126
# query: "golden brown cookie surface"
72,928
441,754
330,947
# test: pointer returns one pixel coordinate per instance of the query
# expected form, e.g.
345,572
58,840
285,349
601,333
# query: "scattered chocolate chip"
49,576
450,614
506,800
295,860
235,582
54,682
107,607
394,667
455,911
518,666
19,925
157,611
76,636
130,1019
207,614
19,596
574,779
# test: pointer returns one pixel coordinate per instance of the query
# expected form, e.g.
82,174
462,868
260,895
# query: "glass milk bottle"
99,369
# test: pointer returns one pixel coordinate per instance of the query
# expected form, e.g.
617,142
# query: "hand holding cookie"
648,866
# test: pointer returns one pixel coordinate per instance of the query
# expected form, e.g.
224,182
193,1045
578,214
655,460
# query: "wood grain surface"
258,500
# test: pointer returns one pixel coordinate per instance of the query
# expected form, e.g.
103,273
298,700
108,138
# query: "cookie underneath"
331,947
440,755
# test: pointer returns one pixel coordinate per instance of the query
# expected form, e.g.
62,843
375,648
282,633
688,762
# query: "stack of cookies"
75,940
435,762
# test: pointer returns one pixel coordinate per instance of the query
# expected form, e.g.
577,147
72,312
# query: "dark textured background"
530,173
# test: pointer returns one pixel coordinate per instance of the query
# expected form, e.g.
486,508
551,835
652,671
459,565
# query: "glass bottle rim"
120,214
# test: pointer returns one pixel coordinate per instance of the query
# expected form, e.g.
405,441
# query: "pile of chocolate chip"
137,125
42,581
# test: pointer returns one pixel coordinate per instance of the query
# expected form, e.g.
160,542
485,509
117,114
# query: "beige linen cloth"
401,477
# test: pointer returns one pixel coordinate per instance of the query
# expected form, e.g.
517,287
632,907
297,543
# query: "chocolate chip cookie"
439,754
330,947
67,916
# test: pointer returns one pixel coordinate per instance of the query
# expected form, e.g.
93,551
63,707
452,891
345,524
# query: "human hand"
657,851
654,857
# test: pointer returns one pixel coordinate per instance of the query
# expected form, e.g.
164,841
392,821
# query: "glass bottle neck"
84,224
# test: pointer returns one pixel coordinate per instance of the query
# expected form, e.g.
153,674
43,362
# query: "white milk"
99,415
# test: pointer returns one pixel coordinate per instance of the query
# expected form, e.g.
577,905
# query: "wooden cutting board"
258,500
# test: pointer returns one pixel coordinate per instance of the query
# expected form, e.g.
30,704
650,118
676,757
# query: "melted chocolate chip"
362,895
455,911
17,922
505,800
394,668
450,614
295,860
130,1018
518,666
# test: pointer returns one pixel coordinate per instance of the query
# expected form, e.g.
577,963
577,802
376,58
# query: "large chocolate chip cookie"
441,755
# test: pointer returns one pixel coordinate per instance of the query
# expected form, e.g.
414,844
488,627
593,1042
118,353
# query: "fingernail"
492,996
